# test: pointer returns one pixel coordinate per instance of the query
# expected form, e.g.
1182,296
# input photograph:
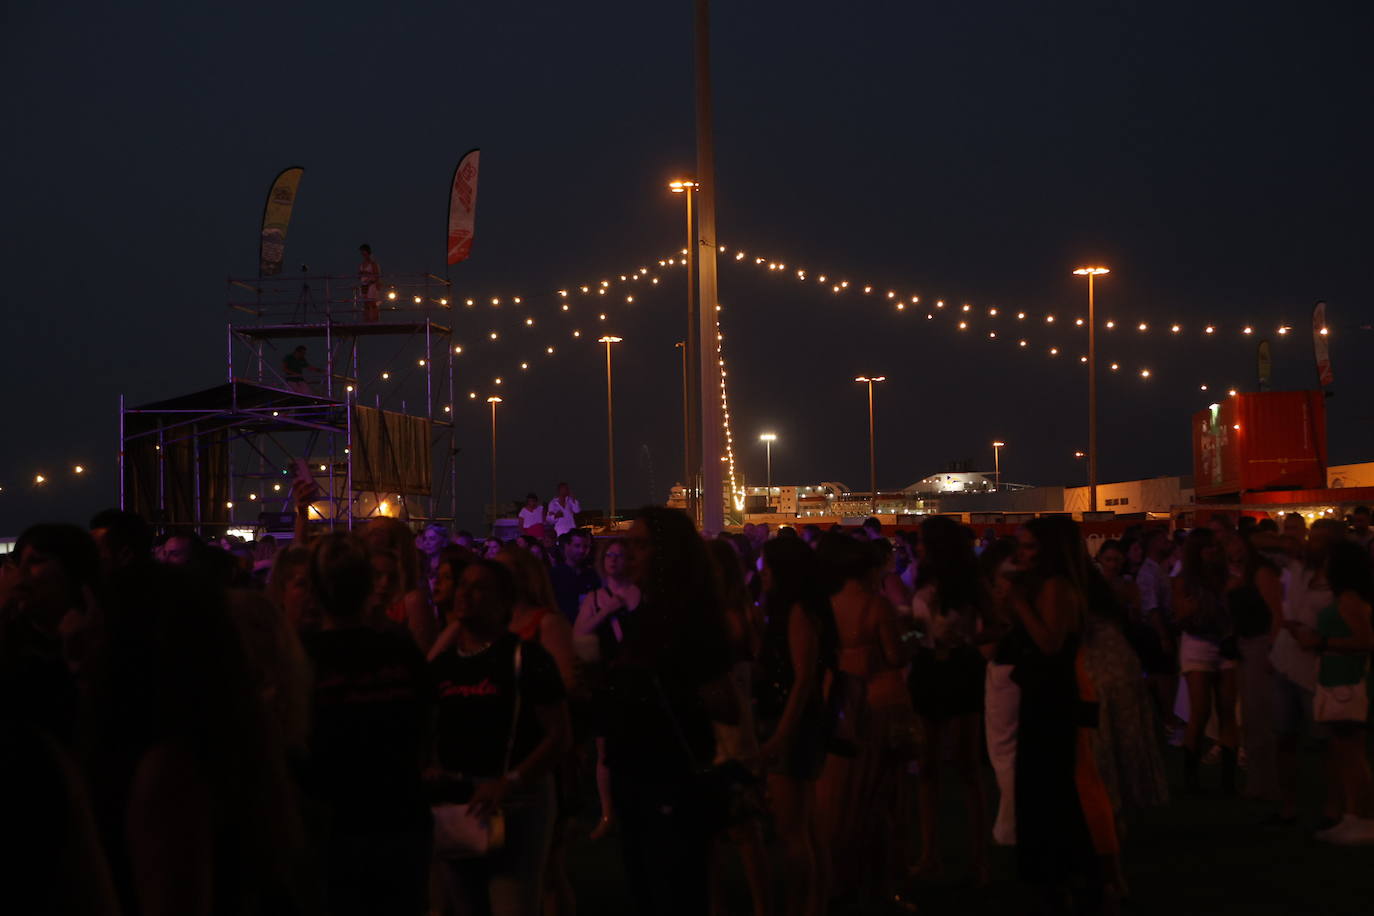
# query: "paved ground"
1197,856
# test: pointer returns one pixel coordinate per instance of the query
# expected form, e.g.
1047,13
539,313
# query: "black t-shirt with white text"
477,700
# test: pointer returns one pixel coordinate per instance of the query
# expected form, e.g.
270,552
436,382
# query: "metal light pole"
997,464
610,420
872,452
691,362
709,408
493,401
687,484
1090,273
768,439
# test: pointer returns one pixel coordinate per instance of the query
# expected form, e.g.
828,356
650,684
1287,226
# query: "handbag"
1343,703
460,834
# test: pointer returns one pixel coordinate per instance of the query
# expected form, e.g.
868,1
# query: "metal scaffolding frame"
255,426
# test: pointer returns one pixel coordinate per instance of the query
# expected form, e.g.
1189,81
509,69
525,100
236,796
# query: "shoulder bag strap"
515,717
677,728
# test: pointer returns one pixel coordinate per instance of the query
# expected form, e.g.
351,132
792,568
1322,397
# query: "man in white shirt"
563,509
1306,592
532,517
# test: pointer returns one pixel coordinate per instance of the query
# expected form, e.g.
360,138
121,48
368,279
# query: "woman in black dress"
1064,819
668,683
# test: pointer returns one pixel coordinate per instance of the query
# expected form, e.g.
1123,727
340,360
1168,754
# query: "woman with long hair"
1343,639
1065,827
1254,600
668,683
503,725
1001,696
372,702
536,619
604,613
288,588
739,742
190,775
1207,653
604,618
862,802
408,604
798,648
1126,740
946,683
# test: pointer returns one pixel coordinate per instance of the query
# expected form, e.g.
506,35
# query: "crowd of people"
400,722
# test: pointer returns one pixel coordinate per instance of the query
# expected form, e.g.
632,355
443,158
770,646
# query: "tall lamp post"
872,454
768,439
997,464
691,347
687,484
610,420
1091,273
493,401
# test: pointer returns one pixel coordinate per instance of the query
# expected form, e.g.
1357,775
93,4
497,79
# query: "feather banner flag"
462,207
276,216
1319,345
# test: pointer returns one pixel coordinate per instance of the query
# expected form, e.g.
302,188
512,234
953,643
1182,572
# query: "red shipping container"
1266,440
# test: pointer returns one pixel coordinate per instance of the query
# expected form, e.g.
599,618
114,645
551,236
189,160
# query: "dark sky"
1216,156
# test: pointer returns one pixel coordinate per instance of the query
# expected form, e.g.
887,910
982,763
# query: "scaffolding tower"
376,434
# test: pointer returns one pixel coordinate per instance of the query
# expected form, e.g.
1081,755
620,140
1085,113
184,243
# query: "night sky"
1215,156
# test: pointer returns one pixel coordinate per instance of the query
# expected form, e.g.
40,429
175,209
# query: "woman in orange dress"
861,803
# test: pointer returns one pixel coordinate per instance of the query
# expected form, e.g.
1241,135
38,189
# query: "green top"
295,365
1338,668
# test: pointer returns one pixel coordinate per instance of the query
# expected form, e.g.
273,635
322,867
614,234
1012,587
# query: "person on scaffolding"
370,284
294,366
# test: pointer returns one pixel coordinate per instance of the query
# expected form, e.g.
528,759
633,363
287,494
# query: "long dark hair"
1060,553
682,618
949,563
1254,561
1197,574
796,581
1351,570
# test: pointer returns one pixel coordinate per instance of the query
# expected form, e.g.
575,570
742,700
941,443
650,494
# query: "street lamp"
493,401
997,464
691,351
768,439
872,457
687,484
1091,273
610,420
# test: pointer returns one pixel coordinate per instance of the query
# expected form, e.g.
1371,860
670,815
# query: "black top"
477,701
372,701
1248,609
569,585
775,672
1211,619
657,727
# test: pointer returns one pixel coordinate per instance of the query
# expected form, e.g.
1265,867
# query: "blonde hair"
532,583
277,664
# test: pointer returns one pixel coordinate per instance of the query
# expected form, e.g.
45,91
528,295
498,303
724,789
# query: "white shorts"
1197,654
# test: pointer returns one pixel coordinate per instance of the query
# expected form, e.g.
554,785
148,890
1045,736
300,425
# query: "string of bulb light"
644,278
